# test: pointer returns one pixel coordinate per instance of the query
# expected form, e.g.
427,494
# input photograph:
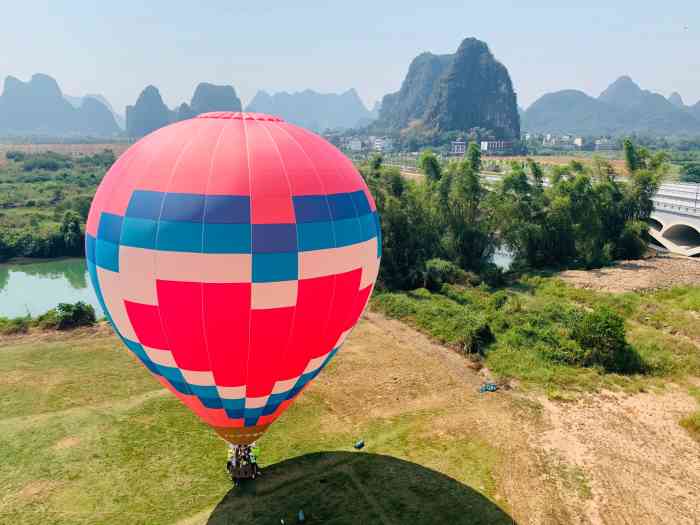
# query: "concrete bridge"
675,221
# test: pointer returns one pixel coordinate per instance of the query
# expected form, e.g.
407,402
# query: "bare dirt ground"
662,271
607,458
626,457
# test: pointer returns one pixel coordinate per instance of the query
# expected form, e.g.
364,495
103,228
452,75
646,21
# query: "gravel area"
661,271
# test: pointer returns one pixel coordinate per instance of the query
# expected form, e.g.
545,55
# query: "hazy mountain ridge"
313,110
149,112
38,107
622,108
460,91
76,102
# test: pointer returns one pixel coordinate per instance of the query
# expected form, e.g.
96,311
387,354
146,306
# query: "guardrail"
680,198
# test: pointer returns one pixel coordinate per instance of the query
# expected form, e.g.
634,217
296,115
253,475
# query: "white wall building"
383,144
355,144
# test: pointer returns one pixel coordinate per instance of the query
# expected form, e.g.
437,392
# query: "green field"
42,197
87,436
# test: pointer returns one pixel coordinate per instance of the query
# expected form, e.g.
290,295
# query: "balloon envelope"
233,253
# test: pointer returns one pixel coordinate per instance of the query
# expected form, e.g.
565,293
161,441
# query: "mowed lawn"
88,436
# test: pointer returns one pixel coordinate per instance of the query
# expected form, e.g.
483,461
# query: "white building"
495,147
355,144
459,147
383,144
605,145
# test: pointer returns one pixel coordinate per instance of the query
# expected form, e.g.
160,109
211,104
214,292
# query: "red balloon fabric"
233,253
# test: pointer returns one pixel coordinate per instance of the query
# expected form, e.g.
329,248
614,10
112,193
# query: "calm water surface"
35,288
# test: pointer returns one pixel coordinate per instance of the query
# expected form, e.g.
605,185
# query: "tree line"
448,226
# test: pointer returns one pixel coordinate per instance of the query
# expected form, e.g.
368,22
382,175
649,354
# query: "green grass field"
87,436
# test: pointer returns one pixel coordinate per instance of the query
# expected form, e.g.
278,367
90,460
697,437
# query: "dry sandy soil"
605,459
662,271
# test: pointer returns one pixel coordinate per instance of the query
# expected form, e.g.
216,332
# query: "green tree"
375,163
691,173
72,233
469,238
429,164
410,236
631,156
474,156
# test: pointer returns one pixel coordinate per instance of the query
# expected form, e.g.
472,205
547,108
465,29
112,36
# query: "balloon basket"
242,463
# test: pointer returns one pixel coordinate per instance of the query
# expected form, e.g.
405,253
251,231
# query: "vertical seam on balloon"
296,235
204,214
250,212
153,253
328,204
357,294
134,188
155,257
360,225
97,245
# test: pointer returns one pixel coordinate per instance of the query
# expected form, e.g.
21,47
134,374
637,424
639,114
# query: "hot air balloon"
232,253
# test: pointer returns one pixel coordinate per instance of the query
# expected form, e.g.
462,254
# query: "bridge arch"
685,236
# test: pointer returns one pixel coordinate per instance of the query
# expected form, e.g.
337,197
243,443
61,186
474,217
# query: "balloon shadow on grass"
355,488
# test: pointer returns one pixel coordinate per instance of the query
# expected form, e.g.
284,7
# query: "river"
36,287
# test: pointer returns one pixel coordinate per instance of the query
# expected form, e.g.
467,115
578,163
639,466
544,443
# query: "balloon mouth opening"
240,115
241,435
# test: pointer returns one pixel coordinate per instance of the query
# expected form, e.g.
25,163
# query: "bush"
49,320
73,315
632,244
18,325
15,155
498,300
476,338
601,335
691,173
493,275
439,272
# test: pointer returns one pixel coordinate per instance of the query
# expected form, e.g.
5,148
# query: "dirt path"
499,418
609,458
639,465
662,271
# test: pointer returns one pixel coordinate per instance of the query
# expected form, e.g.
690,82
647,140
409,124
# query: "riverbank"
654,273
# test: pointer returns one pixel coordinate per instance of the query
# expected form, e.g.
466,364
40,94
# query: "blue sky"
116,48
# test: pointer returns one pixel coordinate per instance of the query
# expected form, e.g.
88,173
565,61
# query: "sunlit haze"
117,48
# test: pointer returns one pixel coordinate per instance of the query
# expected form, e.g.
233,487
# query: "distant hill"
695,110
572,111
38,107
676,99
622,108
465,90
76,102
149,112
312,110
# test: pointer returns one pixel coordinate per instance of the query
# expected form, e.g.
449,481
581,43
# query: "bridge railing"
679,198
